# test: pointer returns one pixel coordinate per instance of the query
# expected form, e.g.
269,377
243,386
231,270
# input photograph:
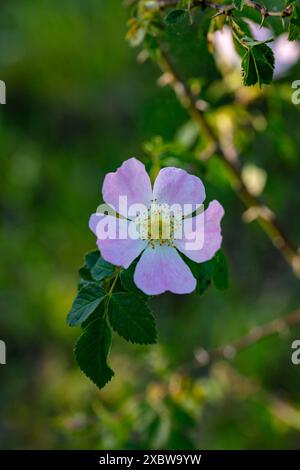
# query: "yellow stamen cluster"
159,224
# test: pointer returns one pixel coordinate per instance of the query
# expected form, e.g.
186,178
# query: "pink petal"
260,33
212,235
176,186
162,269
93,222
130,180
225,50
120,252
287,54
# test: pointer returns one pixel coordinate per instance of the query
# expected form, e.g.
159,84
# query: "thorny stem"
256,208
226,9
256,334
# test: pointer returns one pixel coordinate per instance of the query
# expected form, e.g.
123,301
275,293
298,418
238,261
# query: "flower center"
160,224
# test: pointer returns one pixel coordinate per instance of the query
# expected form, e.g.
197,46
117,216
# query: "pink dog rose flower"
160,267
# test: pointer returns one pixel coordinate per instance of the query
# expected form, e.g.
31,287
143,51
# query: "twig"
255,335
264,216
226,9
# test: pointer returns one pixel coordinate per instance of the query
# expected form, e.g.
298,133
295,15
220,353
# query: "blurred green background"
78,104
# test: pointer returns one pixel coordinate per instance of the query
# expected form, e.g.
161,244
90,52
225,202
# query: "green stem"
236,30
110,292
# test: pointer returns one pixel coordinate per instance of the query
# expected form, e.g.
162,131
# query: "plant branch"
256,208
256,334
227,9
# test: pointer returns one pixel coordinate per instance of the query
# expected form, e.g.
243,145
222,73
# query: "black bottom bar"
137,459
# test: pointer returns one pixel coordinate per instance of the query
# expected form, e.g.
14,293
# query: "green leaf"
85,277
294,26
131,317
241,27
98,313
204,276
128,283
91,258
258,65
220,271
102,269
248,69
174,16
92,350
85,274
94,269
239,4
87,300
